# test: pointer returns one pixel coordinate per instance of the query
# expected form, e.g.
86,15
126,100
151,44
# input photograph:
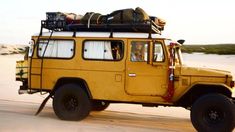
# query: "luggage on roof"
125,20
127,16
61,16
91,17
158,21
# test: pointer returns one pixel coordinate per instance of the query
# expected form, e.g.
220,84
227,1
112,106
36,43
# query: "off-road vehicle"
86,68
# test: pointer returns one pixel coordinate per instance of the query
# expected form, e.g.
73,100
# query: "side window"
139,51
56,49
103,50
158,55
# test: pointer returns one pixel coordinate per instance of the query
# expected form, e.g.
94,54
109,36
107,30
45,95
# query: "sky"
196,21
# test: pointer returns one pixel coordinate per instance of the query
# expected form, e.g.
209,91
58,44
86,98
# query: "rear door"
51,60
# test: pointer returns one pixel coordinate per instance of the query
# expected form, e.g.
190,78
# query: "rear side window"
56,48
103,50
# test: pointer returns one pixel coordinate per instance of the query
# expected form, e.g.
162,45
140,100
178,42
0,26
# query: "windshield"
178,56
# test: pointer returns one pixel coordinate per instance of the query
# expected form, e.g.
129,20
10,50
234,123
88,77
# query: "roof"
101,34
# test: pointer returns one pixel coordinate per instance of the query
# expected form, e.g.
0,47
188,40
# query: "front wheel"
71,102
213,113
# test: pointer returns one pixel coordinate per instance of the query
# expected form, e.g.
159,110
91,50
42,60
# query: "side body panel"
107,80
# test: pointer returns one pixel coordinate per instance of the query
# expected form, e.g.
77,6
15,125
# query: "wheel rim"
214,116
70,103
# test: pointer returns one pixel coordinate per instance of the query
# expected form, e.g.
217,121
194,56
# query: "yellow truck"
85,71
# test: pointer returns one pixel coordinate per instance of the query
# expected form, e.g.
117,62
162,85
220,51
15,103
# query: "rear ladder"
41,62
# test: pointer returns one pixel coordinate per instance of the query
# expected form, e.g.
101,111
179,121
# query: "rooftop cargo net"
126,20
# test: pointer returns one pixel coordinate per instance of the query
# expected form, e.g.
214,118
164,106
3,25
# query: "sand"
19,116
17,112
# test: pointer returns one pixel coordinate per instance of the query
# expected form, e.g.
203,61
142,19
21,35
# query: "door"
103,67
52,59
142,77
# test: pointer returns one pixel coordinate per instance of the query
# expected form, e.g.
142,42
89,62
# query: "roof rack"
61,25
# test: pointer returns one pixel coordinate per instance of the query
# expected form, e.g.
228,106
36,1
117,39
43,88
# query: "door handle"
132,75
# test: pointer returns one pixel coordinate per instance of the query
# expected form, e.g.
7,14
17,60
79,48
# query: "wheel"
71,102
213,113
99,105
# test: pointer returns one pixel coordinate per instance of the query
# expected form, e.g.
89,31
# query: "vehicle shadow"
141,120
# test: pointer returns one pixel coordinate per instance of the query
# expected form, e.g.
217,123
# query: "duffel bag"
127,16
121,16
141,15
91,18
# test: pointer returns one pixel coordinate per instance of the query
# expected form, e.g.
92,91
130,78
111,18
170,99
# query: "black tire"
99,105
71,102
213,113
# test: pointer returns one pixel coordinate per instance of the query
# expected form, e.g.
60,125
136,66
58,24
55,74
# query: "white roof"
101,34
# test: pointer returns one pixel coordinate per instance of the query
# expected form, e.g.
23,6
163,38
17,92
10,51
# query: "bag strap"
89,20
97,20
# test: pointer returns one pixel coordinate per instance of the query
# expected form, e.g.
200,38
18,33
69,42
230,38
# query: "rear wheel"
213,112
71,102
99,105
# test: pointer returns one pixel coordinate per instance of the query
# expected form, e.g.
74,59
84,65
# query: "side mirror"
181,41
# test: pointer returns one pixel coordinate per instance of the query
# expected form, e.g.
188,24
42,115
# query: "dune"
11,49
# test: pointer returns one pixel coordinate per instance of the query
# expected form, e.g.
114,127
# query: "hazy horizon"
198,22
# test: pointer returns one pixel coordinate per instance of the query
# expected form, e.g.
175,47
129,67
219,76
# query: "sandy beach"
17,112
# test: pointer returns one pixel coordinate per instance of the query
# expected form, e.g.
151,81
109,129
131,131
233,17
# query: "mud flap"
44,102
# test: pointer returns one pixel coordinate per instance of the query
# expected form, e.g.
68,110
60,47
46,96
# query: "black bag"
121,16
141,15
126,16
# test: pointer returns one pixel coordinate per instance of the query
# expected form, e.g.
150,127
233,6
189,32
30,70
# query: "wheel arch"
199,90
81,82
